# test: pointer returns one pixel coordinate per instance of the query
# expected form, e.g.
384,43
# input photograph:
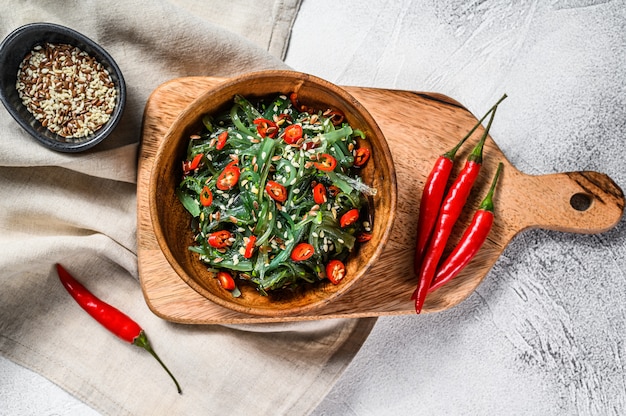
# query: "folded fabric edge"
335,366
353,340
286,12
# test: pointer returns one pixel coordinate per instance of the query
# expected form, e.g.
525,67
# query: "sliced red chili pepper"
283,116
294,100
221,140
361,156
449,212
226,280
109,316
336,117
325,162
220,239
229,177
293,133
302,251
250,247
335,271
349,218
206,197
363,237
276,191
333,190
266,128
471,241
296,103
193,164
319,193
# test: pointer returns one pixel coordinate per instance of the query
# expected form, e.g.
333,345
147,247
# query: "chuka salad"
275,195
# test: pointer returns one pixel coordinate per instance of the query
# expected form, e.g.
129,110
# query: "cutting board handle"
580,202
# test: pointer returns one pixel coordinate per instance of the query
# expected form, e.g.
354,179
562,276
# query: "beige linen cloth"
80,210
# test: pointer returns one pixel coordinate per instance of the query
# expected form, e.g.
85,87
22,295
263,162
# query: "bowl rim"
23,117
299,78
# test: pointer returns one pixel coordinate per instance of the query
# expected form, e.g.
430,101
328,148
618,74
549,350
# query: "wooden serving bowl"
171,222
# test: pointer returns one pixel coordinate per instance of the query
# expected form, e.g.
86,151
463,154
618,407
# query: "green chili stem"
477,153
142,342
452,153
487,203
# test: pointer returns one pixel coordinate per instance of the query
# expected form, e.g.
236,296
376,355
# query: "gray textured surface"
545,333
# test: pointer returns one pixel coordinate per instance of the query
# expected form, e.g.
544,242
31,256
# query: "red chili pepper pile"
110,317
438,215
471,241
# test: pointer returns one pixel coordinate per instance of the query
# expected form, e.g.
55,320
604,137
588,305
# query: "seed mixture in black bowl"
60,86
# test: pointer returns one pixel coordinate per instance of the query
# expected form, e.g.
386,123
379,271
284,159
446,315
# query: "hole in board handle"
580,201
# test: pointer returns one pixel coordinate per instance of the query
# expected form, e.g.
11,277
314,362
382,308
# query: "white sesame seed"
58,92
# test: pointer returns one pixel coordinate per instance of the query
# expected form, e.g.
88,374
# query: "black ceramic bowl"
14,49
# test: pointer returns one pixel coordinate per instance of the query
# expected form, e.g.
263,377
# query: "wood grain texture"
418,127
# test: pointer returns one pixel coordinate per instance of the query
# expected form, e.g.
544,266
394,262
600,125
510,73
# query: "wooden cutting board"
418,127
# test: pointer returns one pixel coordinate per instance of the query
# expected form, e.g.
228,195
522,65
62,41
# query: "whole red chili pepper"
433,192
449,212
471,241
110,317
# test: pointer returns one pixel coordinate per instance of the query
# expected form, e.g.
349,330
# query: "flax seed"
51,82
